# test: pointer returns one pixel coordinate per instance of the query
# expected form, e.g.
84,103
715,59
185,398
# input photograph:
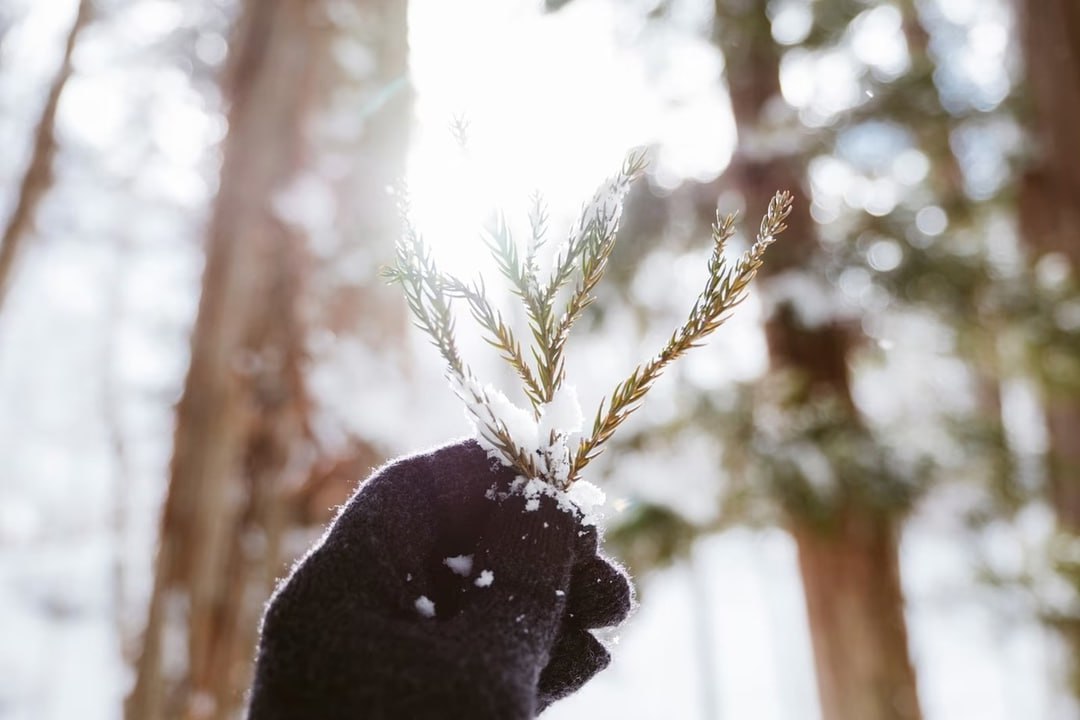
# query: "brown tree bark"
1050,202
39,170
245,467
851,578
1049,208
849,565
240,419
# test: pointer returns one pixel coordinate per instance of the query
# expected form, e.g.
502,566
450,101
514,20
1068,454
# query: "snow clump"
459,564
425,606
552,440
582,496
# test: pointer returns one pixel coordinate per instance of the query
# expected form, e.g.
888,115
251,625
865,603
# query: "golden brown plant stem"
38,176
859,535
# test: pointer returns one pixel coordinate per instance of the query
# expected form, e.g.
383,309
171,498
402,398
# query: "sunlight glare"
552,106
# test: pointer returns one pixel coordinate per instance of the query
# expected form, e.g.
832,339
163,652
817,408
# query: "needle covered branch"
545,442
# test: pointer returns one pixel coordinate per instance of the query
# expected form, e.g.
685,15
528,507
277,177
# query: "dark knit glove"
387,617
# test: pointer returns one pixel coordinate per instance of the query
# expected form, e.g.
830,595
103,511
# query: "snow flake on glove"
425,606
459,564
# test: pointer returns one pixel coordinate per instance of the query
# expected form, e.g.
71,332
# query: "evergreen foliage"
579,265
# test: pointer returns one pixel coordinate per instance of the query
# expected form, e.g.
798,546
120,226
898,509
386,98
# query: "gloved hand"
376,623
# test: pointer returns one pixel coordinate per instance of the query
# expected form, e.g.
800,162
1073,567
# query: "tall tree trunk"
1050,223
1050,202
39,170
851,578
240,420
848,564
245,468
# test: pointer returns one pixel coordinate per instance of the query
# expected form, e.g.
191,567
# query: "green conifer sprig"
499,334
538,223
429,294
725,288
586,250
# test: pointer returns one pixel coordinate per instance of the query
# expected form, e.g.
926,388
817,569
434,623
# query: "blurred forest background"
860,502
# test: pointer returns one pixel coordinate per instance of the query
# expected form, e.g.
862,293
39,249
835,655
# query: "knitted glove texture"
347,634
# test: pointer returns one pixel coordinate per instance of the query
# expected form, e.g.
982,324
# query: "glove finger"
600,594
587,543
576,657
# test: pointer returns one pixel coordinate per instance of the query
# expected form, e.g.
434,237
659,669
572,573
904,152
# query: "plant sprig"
500,336
429,294
586,250
725,288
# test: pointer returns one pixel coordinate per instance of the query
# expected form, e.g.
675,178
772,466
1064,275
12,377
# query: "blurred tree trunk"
851,577
39,170
1050,223
1050,201
240,421
245,464
849,561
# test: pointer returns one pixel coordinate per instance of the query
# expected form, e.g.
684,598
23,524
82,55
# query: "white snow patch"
552,440
582,496
563,413
460,564
560,593
586,496
486,578
559,432
425,606
487,407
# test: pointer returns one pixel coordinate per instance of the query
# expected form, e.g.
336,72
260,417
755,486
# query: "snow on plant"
545,442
